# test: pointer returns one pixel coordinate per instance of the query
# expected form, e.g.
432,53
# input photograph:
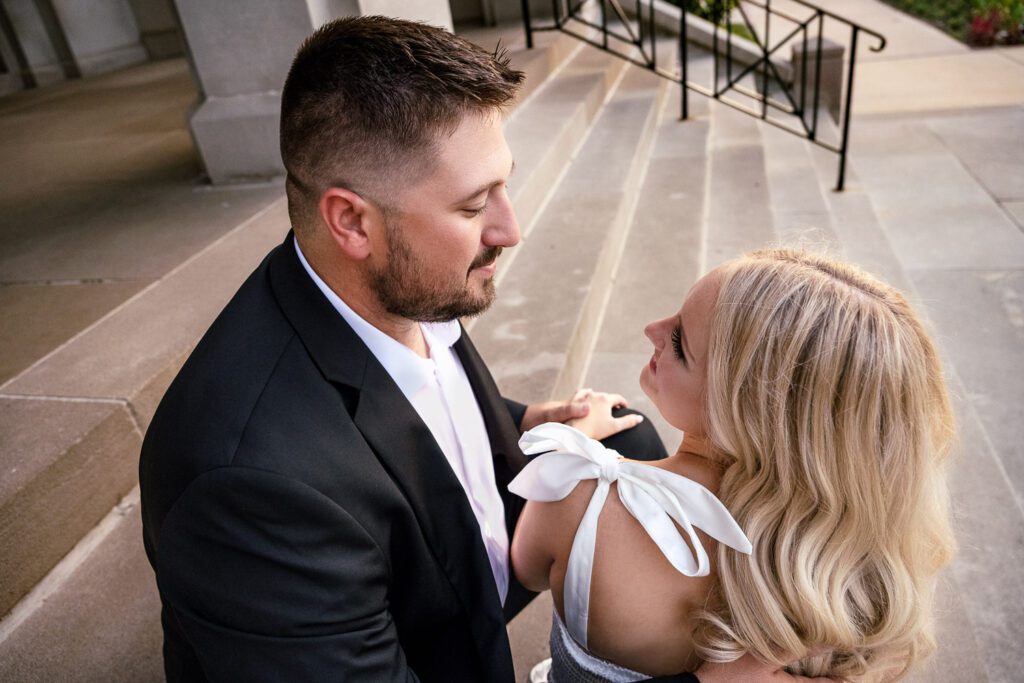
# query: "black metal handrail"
634,38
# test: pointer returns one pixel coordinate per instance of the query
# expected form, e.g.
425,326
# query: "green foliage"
715,11
979,22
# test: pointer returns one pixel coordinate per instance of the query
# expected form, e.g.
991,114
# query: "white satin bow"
655,497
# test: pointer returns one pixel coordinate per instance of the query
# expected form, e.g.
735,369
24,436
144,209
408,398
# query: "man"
324,483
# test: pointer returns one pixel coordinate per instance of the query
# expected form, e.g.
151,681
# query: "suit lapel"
411,455
406,449
503,435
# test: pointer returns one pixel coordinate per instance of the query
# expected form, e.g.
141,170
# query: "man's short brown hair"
367,98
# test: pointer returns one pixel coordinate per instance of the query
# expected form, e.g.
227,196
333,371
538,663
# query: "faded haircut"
368,98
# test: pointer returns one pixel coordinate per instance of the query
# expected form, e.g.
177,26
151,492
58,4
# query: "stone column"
434,12
102,34
240,52
158,28
42,61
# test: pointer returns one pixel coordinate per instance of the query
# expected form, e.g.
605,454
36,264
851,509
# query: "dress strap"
655,497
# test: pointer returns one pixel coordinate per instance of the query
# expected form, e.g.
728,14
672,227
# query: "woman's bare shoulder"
545,533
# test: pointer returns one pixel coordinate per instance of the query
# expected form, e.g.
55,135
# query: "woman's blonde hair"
826,399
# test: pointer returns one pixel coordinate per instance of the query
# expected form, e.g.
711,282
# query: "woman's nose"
651,331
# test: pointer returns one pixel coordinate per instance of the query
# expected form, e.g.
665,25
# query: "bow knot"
610,471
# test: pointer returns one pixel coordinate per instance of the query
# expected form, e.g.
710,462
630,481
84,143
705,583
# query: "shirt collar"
408,370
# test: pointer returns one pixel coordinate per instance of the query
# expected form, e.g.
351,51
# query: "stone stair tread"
661,260
102,624
966,612
65,465
552,276
86,408
752,184
547,129
739,216
799,209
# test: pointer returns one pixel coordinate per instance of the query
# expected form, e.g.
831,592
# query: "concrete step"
959,256
72,426
663,257
76,417
99,621
739,216
547,129
537,335
809,213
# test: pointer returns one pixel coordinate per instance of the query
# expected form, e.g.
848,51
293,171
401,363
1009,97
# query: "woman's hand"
599,423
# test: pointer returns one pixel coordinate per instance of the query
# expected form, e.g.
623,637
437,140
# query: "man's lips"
487,262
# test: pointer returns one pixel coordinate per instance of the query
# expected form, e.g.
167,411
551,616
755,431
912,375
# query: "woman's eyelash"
476,211
677,344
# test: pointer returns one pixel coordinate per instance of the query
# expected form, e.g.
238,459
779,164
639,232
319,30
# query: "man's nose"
503,229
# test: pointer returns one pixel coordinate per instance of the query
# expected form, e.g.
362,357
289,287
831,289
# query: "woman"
814,409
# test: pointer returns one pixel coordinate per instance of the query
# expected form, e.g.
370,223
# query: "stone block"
65,465
739,216
818,69
238,137
433,12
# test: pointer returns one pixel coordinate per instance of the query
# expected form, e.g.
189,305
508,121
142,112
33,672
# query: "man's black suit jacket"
302,522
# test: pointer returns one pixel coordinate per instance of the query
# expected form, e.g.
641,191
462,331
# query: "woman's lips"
653,365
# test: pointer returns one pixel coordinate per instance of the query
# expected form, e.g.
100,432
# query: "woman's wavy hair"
827,402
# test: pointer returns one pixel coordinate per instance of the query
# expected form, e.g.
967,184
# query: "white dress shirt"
439,391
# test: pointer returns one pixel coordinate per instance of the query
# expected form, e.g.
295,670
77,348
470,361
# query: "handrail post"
844,141
527,24
604,25
803,79
714,56
817,77
767,55
653,30
684,60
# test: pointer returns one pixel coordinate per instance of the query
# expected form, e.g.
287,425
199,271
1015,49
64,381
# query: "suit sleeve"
517,410
272,581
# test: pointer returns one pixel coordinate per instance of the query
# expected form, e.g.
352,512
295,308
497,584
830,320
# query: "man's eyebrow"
485,188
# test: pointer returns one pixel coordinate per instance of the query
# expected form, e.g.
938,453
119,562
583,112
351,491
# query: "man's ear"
347,217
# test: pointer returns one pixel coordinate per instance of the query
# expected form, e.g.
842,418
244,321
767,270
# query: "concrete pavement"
114,255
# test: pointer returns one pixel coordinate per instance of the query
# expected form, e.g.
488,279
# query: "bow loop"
667,506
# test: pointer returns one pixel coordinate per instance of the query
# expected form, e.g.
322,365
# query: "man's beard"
406,290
